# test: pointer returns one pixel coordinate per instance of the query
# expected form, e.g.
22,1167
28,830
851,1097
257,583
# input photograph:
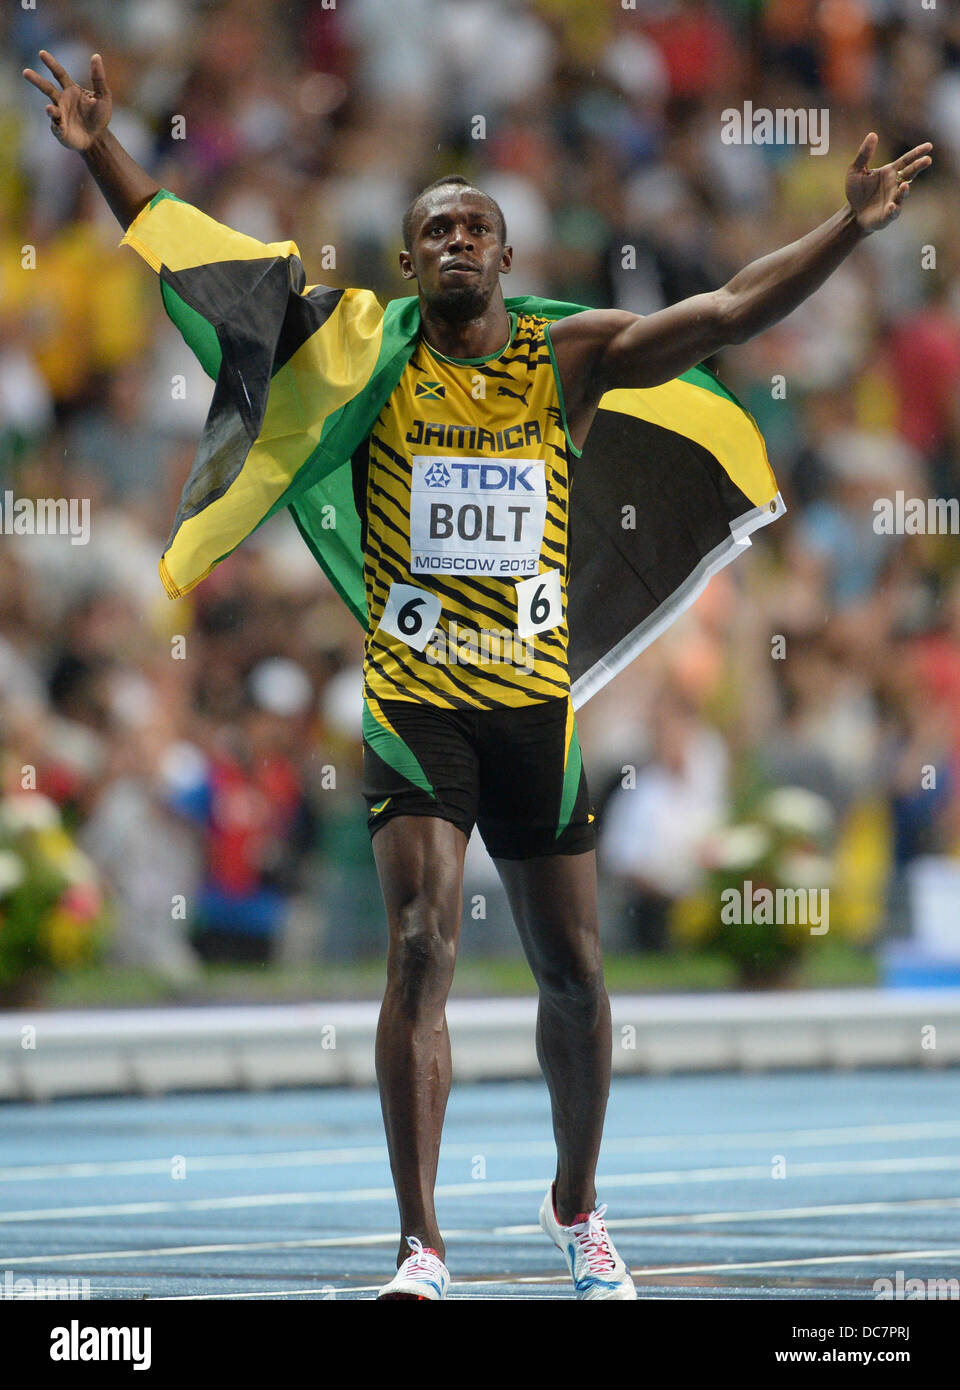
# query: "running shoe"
595,1267
422,1275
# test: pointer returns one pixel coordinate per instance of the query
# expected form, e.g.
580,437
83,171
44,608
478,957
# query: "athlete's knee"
423,950
573,981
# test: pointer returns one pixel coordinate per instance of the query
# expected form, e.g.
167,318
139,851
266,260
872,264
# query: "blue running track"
288,1194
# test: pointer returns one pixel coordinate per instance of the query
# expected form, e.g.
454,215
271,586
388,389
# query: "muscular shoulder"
591,330
579,343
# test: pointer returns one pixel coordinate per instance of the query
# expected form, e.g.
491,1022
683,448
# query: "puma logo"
517,395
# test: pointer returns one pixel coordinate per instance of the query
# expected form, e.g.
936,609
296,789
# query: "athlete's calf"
554,904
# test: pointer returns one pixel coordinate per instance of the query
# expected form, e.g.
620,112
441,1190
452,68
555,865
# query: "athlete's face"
456,255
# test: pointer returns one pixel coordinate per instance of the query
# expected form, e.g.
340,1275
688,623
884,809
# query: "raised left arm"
623,350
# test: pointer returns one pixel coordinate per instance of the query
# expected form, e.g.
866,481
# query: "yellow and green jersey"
316,393
463,490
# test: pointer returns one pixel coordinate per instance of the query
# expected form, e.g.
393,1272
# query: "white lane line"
674,1177
533,1148
263,1293
296,1158
710,1218
354,1288
948,1254
478,1234
646,1272
38,1297
222,1248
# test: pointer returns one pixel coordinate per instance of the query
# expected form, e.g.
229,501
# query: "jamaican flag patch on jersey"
671,483
430,390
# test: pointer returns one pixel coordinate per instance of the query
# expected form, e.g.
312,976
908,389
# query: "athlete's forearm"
768,289
637,351
126,187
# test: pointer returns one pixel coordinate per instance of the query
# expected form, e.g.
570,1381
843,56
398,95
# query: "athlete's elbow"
730,318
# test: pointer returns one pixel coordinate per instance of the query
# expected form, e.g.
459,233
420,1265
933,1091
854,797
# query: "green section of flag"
199,335
336,549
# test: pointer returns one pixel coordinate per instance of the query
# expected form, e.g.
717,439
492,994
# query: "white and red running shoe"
595,1267
422,1275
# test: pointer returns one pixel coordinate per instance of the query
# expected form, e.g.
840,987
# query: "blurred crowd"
206,752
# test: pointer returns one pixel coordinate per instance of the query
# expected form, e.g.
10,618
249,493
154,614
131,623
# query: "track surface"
288,1195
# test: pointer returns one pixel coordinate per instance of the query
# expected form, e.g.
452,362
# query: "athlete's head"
455,239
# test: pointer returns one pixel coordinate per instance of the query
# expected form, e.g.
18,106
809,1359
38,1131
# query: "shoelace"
591,1239
421,1261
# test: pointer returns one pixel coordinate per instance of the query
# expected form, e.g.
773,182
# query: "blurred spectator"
248,796
924,354
148,856
848,556
655,820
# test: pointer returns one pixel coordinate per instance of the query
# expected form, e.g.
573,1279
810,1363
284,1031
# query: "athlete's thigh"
419,863
554,903
420,777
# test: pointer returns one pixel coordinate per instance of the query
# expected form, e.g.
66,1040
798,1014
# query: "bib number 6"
539,603
410,614
409,621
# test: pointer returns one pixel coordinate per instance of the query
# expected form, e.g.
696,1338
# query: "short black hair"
440,183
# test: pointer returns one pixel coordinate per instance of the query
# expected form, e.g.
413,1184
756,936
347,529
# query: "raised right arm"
79,118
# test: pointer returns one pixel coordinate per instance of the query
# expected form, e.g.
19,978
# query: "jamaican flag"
670,485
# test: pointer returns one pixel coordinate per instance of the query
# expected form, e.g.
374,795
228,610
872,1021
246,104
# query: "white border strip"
154,1051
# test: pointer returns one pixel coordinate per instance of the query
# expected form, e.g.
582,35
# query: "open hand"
876,195
78,116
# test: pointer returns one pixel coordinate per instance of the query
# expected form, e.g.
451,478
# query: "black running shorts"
514,772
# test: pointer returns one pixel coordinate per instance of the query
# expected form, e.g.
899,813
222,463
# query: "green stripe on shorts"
571,782
388,745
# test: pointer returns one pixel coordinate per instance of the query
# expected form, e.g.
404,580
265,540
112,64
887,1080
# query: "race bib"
410,614
476,516
539,603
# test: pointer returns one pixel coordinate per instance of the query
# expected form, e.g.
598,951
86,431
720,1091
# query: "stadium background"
228,779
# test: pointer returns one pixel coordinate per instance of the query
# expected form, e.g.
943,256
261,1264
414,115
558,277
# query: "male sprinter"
463,490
